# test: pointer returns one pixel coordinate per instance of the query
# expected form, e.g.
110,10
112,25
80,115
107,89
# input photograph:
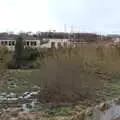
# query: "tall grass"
72,74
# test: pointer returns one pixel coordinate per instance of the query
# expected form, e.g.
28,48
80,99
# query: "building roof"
49,35
13,37
113,35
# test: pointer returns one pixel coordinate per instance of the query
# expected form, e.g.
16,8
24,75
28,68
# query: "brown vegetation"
73,74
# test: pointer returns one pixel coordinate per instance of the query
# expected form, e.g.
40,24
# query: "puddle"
111,114
28,102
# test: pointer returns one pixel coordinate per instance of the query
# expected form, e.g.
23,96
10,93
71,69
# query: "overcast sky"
41,15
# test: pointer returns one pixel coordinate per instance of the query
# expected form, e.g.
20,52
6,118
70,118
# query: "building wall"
56,42
10,44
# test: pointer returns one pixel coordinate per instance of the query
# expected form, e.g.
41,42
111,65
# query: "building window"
65,44
10,43
6,43
35,43
13,43
52,44
2,42
27,43
59,45
31,43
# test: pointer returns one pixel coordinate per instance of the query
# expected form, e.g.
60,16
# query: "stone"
14,112
36,87
29,106
79,116
13,118
103,106
26,93
117,101
78,108
89,112
3,94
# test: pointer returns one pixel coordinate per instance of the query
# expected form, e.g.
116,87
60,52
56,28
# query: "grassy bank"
83,76
71,71
73,74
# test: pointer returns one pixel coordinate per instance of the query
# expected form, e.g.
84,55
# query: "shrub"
68,76
25,57
5,57
72,74
30,54
19,51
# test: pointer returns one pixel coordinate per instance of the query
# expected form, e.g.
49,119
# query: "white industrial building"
55,42
10,44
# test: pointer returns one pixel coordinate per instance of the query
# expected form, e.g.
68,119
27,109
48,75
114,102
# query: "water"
25,109
26,101
111,114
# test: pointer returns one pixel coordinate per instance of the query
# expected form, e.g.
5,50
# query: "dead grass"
73,74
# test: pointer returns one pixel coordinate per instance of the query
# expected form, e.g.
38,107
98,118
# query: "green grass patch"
63,111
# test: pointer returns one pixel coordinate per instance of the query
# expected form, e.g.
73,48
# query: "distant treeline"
42,35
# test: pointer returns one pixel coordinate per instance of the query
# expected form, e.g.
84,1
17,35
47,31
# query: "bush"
5,57
68,76
73,74
30,54
25,57
19,51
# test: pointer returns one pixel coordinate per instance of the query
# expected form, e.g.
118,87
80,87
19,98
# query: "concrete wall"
9,44
46,45
56,41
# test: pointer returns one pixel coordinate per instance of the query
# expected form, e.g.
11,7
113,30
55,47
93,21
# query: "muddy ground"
18,82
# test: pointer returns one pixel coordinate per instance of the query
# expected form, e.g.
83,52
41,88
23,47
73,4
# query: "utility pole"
74,37
65,31
72,30
65,28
